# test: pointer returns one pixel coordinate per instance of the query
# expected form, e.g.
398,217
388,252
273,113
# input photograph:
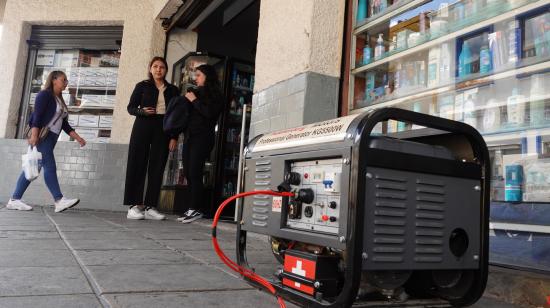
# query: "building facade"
482,62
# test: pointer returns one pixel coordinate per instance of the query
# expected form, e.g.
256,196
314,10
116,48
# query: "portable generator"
375,219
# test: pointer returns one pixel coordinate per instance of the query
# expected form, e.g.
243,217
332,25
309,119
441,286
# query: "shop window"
482,62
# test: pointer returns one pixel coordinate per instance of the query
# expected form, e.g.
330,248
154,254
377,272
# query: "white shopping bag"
31,163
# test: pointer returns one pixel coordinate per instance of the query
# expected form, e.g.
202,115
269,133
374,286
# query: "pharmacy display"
91,92
482,62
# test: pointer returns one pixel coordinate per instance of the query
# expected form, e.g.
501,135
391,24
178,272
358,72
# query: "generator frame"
358,137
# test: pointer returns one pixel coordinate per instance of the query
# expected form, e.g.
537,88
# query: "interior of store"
227,40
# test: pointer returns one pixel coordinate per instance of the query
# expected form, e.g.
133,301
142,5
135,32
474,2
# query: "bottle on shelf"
367,51
515,109
445,67
536,98
379,49
434,61
514,37
369,86
491,117
362,10
465,61
485,58
470,112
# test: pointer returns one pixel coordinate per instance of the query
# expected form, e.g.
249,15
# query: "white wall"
296,37
143,38
180,43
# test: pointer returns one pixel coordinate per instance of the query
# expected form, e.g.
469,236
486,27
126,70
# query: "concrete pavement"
101,259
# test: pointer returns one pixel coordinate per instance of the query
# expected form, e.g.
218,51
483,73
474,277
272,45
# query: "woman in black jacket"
207,102
149,145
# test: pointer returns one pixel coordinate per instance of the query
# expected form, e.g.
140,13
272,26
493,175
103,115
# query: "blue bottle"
465,61
362,10
367,52
485,58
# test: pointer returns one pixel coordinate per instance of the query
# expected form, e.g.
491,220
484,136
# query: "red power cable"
230,263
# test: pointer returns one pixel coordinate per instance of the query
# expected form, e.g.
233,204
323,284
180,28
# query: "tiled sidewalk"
101,259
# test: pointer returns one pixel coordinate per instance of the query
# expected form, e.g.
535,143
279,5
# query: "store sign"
321,132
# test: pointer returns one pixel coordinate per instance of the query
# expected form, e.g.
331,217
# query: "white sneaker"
135,213
187,213
152,213
18,205
65,203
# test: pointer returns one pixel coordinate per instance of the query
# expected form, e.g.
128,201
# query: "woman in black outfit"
207,102
149,145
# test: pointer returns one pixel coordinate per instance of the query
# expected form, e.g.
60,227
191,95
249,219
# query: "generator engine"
377,219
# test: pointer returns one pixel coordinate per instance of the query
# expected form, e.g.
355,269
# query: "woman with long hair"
50,116
207,103
149,145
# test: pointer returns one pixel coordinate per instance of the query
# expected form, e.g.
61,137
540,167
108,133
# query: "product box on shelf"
91,100
108,100
88,134
32,99
88,120
73,119
106,121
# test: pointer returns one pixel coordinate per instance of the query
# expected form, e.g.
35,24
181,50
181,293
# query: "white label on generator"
277,204
321,132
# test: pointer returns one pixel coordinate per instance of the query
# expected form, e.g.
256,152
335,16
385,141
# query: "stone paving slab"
253,256
51,301
240,299
8,244
28,227
19,281
98,235
25,235
154,278
109,244
137,257
36,258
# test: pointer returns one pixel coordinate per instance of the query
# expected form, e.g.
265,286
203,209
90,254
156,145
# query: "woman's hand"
78,139
190,96
150,110
33,139
173,145
81,141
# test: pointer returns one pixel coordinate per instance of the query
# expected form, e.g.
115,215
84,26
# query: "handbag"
43,132
176,117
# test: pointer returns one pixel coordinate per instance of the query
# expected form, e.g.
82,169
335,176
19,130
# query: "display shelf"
426,45
394,10
505,138
240,88
519,227
81,108
454,86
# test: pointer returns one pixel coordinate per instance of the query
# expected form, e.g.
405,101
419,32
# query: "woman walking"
207,103
149,145
47,120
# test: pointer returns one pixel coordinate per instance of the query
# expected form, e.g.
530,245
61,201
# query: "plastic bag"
32,163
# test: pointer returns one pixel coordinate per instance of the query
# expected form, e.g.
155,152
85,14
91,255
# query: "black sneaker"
191,216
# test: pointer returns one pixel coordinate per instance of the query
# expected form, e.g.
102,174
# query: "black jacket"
146,95
205,112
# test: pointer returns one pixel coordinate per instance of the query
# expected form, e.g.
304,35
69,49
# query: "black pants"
147,155
196,151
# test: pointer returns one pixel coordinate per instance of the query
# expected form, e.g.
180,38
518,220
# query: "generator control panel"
318,209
